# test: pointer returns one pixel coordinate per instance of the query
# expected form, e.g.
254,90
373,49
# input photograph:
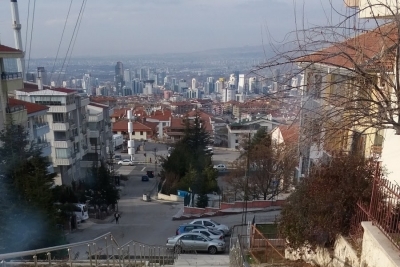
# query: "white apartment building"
99,135
67,120
239,132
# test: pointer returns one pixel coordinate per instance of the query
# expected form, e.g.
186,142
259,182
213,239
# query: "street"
146,222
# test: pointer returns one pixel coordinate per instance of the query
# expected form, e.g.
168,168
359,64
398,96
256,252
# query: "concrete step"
202,260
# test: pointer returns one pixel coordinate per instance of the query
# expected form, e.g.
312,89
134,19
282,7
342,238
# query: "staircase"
202,260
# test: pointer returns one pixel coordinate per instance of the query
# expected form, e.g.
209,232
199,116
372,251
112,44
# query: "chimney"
39,78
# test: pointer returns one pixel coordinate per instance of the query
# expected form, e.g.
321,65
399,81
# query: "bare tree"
265,170
350,83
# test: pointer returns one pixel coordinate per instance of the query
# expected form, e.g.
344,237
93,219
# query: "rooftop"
30,107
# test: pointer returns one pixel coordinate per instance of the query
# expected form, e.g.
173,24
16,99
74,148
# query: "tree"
324,202
351,78
101,189
189,166
266,168
26,204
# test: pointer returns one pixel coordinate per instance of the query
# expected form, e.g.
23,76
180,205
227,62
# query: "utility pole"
155,167
244,214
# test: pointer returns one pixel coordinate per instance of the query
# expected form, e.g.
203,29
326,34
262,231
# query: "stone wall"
377,251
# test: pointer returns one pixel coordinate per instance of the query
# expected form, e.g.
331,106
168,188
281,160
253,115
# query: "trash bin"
146,197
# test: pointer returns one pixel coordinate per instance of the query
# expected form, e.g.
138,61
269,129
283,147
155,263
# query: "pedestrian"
117,216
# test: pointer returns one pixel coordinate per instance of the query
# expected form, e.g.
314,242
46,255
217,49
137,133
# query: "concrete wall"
252,204
169,197
377,251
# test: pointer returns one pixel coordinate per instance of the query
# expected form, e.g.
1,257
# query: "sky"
139,27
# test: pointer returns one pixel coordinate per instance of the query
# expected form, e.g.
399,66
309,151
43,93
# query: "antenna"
16,25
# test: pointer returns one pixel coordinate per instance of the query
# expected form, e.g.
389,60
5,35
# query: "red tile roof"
290,133
120,112
30,107
364,49
122,126
64,90
7,49
98,105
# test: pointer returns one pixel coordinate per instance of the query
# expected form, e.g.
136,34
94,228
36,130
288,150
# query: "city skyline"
160,27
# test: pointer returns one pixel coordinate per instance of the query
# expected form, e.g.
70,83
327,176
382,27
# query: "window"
197,222
206,223
189,228
141,132
62,153
198,238
205,233
59,117
186,237
236,141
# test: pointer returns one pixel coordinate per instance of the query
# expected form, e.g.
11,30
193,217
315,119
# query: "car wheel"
212,250
178,249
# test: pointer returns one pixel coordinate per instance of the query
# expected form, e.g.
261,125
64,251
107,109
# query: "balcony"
62,108
16,114
62,144
40,129
60,126
45,147
94,134
63,162
6,76
96,117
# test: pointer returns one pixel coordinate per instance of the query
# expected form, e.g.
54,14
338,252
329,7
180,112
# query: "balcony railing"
11,75
40,125
12,109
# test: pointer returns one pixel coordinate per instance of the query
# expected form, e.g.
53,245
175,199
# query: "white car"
220,167
125,162
212,225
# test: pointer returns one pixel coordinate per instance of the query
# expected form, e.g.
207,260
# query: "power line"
26,32
62,35
70,42
30,42
76,36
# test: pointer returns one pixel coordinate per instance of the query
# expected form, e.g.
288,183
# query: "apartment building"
99,134
239,132
10,80
67,119
336,103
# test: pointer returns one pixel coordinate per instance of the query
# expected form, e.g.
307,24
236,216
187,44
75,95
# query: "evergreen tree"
102,190
26,203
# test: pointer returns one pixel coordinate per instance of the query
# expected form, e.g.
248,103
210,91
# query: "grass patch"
268,229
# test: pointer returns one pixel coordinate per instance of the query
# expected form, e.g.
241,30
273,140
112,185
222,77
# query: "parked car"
220,167
209,233
211,225
195,242
145,178
125,162
185,228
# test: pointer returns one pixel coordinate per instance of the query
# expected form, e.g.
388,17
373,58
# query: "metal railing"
101,251
237,251
383,210
11,75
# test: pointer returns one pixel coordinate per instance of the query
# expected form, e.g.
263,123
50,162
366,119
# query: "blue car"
145,178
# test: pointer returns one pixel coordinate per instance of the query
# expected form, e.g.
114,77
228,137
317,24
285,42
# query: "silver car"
213,225
195,242
125,162
210,233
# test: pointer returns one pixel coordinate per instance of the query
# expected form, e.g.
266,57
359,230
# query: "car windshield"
214,222
214,232
206,237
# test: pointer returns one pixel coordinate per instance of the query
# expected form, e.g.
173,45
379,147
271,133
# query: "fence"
383,210
101,251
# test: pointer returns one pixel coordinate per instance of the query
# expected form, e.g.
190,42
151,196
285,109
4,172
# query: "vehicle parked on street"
212,225
209,233
220,167
195,242
118,141
145,178
185,228
150,174
125,162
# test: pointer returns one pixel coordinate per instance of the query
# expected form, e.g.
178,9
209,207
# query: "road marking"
143,169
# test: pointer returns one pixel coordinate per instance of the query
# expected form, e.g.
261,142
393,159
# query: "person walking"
117,216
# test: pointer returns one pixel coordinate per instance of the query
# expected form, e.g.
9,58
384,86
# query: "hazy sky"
132,27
